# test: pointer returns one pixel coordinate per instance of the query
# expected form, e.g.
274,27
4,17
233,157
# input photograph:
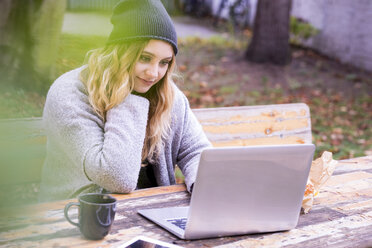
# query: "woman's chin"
142,90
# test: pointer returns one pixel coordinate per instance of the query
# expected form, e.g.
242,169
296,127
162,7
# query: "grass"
336,94
73,49
17,103
340,125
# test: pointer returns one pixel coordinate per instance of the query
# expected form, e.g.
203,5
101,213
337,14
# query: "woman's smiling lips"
149,82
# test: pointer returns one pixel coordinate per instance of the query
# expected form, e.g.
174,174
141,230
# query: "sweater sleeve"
193,142
115,162
109,153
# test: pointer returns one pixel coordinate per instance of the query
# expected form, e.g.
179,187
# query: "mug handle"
67,207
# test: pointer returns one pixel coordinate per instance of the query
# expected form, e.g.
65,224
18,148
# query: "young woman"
119,122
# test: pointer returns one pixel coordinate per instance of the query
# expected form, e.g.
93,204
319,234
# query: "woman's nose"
152,70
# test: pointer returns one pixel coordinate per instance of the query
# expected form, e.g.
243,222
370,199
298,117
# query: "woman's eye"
144,58
165,62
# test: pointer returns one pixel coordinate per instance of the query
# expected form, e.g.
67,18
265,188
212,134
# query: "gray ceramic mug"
96,214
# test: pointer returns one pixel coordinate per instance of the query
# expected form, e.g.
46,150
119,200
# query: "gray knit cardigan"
86,154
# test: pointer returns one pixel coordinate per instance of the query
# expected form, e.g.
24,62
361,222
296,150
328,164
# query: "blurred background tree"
29,34
270,41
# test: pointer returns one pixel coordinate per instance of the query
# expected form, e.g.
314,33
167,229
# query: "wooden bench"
22,143
257,125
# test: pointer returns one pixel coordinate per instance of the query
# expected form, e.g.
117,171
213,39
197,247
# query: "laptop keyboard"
180,222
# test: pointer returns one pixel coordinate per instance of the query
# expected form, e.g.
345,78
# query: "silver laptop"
241,190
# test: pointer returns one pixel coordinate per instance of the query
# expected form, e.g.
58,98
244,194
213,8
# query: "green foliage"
18,103
229,89
301,30
73,49
29,39
216,43
98,12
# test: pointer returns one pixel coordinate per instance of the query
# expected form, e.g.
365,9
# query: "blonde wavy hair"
109,79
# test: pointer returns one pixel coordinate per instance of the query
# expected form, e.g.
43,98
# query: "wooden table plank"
341,216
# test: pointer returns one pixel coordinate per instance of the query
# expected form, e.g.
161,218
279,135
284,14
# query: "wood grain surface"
341,217
256,125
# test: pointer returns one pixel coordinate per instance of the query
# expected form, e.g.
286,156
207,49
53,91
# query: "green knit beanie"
142,19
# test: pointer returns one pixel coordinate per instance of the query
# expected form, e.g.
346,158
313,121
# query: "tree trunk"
47,30
270,41
29,34
15,42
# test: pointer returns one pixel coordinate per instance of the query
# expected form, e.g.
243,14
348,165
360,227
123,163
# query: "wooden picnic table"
341,217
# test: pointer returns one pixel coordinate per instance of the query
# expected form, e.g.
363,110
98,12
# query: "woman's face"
152,65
